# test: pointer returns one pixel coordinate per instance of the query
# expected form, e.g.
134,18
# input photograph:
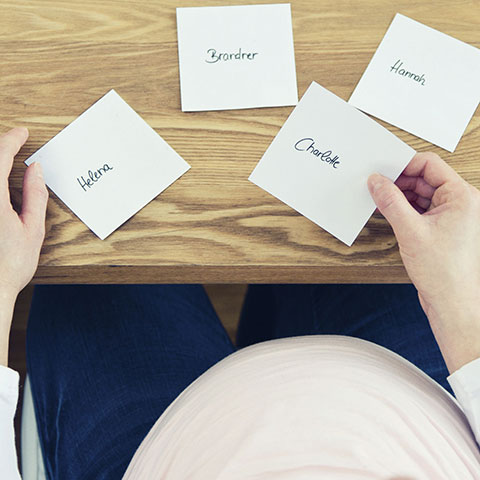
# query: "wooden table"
213,225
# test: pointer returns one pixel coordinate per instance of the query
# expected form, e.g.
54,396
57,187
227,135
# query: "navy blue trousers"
106,361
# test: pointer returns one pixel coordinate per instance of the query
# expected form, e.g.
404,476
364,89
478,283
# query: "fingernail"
37,169
375,181
24,130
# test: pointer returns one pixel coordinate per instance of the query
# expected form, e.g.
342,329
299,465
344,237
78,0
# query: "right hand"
435,216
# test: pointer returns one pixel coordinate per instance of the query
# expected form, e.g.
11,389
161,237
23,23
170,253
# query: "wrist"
459,301
456,326
8,297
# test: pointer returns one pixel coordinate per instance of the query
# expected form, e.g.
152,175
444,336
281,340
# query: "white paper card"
422,81
321,159
236,57
108,164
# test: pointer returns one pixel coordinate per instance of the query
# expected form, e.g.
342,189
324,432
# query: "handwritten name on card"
397,68
308,145
213,56
93,177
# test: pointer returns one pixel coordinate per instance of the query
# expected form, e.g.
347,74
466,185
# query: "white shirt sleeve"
8,404
465,383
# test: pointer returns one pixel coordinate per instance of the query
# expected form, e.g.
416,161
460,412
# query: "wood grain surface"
213,225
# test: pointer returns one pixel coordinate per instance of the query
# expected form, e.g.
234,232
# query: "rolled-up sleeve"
9,380
465,383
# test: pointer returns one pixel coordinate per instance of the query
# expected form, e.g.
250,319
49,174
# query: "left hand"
21,235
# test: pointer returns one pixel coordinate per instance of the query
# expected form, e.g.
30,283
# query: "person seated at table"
326,381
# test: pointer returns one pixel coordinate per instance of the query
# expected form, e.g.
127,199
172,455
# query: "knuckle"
387,197
430,156
464,193
40,190
433,156
451,192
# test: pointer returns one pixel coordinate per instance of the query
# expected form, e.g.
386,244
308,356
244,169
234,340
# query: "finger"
35,198
423,202
417,200
393,205
10,144
410,196
432,168
415,184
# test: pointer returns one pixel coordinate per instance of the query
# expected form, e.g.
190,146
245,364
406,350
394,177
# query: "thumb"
393,204
35,198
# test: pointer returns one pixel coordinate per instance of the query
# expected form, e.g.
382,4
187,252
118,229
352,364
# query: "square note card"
236,57
422,81
321,159
108,164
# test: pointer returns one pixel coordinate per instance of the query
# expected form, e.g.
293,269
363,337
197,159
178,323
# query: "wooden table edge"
226,274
